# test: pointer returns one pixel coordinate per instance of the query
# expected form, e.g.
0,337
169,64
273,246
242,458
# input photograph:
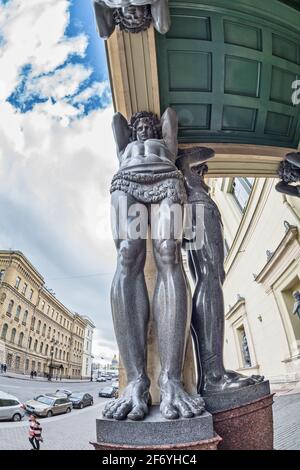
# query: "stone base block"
157,433
246,427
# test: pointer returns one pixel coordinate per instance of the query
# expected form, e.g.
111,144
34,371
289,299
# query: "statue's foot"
133,404
229,380
175,402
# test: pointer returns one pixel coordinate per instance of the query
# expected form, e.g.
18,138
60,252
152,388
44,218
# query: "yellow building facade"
37,332
262,244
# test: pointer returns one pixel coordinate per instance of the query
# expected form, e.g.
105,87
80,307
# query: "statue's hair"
153,120
288,172
123,24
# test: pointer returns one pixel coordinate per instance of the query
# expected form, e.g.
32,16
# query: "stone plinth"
243,418
157,433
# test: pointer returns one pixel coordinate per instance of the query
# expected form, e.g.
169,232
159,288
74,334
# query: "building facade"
87,356
262,245
37,332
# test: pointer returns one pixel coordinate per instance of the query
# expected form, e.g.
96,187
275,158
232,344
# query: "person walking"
35,433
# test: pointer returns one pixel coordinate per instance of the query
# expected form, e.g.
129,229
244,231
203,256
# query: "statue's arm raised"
288,189
161,16
294,158
169,125
104,19
122,132
193,156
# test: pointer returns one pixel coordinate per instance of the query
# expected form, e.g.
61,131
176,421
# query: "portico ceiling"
227,67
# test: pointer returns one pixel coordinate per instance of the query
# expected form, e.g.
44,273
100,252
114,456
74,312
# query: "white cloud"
55,170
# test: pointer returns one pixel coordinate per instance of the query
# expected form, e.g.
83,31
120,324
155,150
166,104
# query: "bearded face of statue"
133,18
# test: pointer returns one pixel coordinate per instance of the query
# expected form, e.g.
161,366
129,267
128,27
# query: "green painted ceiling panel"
229,73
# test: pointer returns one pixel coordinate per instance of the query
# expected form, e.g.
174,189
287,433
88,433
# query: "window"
32,323
52,313
31,294
10,307
241,189
24,288
43,305
41,348
25,317
13,335
21,337
56,316
64,322
38,330
49,332
18,312
18,360
60,354
46,349
9,359
60,320
27,364
2,272
17,283
44,329
64,355
35,345
48,308
30,343
4,331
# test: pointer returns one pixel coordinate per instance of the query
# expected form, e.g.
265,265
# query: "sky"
57,154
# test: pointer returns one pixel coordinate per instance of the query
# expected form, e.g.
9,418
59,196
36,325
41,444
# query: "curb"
45,380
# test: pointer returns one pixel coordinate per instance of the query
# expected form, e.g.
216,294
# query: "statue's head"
145,126
133,18
297,295
288,172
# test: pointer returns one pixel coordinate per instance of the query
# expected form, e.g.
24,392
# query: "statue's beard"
133,19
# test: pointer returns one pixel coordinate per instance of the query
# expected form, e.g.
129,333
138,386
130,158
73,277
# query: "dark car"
108,392
80,400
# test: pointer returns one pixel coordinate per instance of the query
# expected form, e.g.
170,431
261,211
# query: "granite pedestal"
157,433
243,418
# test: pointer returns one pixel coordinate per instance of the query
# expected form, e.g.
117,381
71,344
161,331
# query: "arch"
4,331
49,332
35,345
30,343
56,351
33,322
60,354
21,337
38,328
44,329
64,355
41,347
13,335
46,349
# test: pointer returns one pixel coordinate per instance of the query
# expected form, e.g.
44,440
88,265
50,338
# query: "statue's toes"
122,411
197,409
109,413
168,411
184,409
138,412
198,402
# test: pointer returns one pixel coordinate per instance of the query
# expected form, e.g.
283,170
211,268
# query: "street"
74,431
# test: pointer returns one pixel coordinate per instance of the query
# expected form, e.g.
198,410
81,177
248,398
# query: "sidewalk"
13,375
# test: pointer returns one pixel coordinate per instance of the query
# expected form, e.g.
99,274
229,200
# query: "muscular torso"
152,155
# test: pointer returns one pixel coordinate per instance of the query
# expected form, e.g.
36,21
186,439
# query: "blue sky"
57,153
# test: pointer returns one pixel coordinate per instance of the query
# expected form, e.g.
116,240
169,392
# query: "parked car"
108,392
62,391
10,407
80,400
48,405
101,379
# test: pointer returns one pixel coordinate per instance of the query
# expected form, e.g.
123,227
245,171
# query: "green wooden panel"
281,88
228,72
286,49
279,124
242,35
195,116
189,70
242,76
239,119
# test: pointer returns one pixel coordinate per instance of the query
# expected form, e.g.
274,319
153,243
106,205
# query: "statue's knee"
128,254
168,252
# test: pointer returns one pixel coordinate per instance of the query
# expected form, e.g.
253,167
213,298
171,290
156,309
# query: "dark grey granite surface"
230,399
155,430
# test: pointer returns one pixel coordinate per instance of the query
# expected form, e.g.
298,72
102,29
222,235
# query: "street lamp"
53,343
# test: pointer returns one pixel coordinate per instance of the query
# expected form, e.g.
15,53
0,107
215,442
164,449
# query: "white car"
10,407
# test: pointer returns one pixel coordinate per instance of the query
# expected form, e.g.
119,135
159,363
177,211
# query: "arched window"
64,355
49,332
30,343
21,337
56,350
13,335
35,345
39,326
58,335
46,350
25,316
67,356
10,306
32,323
44,329
4,331
41,347
60,354
18,312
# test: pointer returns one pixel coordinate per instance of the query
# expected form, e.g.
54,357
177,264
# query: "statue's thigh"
129,217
